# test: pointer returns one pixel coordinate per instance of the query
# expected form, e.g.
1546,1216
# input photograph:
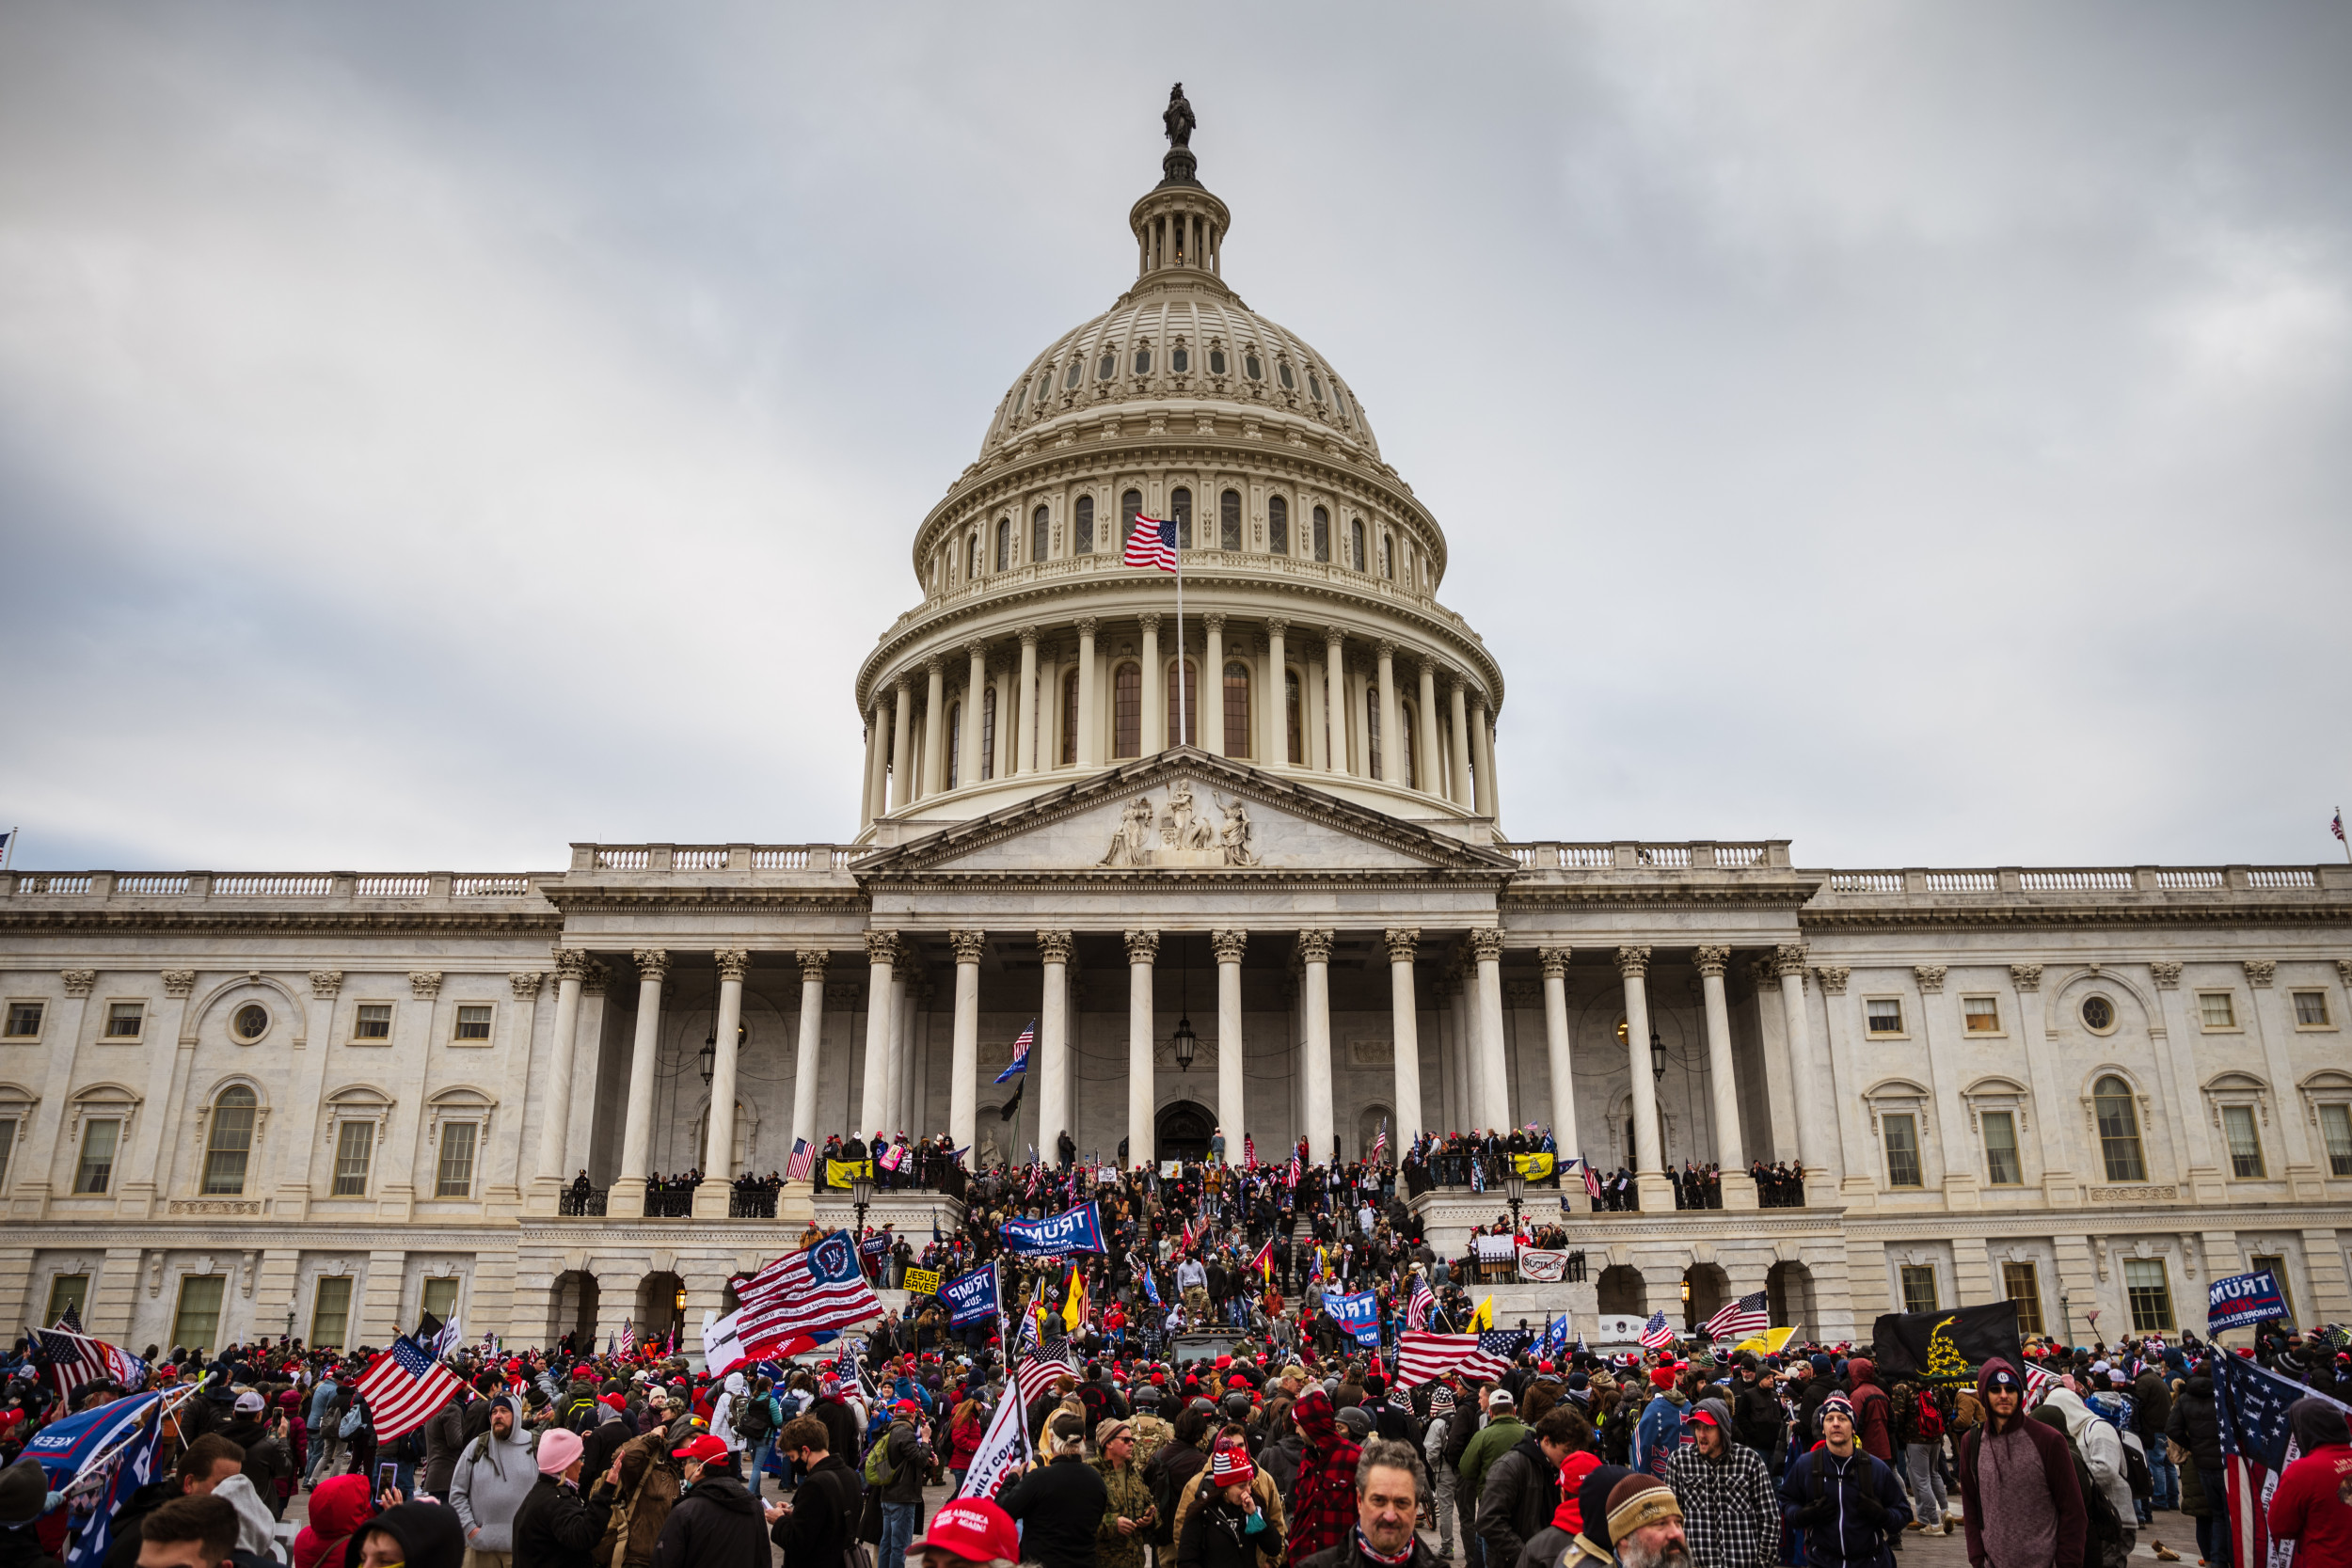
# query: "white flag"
1005,1445
723,1346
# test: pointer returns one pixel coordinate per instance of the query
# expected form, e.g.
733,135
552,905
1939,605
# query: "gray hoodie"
491,1481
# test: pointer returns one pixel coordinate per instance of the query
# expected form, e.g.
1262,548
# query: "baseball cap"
705,1447
973,1529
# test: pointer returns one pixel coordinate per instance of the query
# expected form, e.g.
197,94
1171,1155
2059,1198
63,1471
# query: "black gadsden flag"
1946,1347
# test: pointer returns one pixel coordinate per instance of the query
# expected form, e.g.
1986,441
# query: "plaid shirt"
1323,1508
1730,1514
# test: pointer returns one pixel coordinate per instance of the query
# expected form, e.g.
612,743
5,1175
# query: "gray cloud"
430,435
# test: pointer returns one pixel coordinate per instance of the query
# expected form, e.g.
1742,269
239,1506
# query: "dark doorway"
573,1308
1182,1132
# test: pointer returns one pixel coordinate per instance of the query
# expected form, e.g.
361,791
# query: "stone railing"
1639,855
2008,881
822,860
306,886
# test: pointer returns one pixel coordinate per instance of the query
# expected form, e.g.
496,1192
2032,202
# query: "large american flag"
1740,1318
1656,1334
804,1157
1151,543
1423,1356
814,1291
1422,1302
628,1336
75,1358
1038,1370
2256,1446
404,1386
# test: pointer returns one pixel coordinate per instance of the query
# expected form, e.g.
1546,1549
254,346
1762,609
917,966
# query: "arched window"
1292,724
988,731
229,1142
1236,708
1282,372
1323,534
1356,543
1184,723
1022,401
1314,385
1229,520
1127,711
1039,537
1250,368
955,740
2119,1129
1388,561
1278,525
1082,527
974,574
1372,727
1180,509
1412,773
1130,507
1070,719
1179,360
1003,544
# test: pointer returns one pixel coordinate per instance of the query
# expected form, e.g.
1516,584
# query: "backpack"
1930,1418
2135,1472
752,1417
879,1471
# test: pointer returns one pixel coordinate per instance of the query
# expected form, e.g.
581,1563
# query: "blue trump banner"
2243,1301
1079,1229
970,1297
1359,1314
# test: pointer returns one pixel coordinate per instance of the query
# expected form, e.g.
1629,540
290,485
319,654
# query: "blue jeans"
2165,1475
899,1523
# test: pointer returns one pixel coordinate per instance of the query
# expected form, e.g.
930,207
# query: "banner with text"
1080,1230
1005,1445
970,1297
1539,1266
921,1282
2243,1301
1359,1314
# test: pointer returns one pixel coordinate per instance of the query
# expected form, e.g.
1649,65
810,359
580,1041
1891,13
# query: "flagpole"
1184,720
1180,593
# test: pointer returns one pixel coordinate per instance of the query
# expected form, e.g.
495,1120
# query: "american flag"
628,1336
1592,1182
1422,1357
1655,1335
75,1358
1422,1302
2257,1445
1379,1142
802,1160
851,1371
1248,1153
805,1292
2337,825
1740,1319
1504,1342
1021,1044
1295,1167
1153,543
1038,1370
404,1386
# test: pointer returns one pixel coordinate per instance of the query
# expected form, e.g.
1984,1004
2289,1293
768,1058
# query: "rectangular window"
68,1293
1885,1015
2002,1167
1982,1014
355,1145
1069,720
1902,1150
330,1311
374,1023
474,1022
2216,1010
2310,1009
1918,1287
2022,1284
2151,1298
124,1019
1127,711
1294,731
96,1172
2246,1145
441,1298
8,1151
455,1178
197,1321
2278,1267
2335,1125
25,1020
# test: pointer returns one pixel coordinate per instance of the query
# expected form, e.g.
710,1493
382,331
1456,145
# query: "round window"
252,1021
1180,360
1216,361
2098,1014
1283,371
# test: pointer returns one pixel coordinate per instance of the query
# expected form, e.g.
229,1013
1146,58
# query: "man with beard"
1387,1503
1846,1501
1729,1513
2017,1483
1645,1524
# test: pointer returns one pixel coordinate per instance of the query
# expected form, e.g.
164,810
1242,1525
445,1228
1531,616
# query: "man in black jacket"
717,1523
1062,1502
1757,1418
554,1526
818,1524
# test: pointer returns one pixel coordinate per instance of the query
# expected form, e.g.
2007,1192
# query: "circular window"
1179,360
2098,1014
1283,371
252,1021
1216,361
1250,368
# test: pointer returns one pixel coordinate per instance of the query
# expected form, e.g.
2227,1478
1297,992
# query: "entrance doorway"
1182,1132
659,1309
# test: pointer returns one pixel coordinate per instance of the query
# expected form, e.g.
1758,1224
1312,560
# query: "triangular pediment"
1184,812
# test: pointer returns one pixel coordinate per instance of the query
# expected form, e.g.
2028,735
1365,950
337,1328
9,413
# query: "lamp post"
289,1318
861,1193
2066,1316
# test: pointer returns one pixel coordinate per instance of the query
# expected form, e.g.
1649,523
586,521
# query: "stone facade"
234,1101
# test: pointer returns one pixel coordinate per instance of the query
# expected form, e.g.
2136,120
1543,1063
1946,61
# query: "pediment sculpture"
1181,834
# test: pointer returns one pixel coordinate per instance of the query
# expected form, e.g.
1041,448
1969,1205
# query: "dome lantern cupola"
1178,225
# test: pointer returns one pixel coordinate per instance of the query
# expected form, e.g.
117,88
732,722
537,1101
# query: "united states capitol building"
232,1102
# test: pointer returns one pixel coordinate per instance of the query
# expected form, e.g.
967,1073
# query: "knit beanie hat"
1230,1465
558,1447
1638,1501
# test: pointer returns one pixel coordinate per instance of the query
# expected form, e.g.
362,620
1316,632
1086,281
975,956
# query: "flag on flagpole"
628,1336
1021,1044
1073,1311
805,1292
405,1386
1264,1263
802,1160
1422,1357
1740,1317
1151,543
2257,1443
75,1358
2337,825
1379,1142
1005,1445
1656,1334
1421,1303
1485,1316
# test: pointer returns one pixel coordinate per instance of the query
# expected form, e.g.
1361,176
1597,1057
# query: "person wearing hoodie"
2313,1504
903,1467
2102,1448
24,1498
1660,1430
416,1535
1844,1499
1730,1514
556,1526
1871,1410
2195,1424
2021,1505
1523,1485
490,1481
339,1506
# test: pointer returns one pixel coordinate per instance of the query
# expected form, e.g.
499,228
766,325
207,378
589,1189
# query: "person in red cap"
899,1466
717,1523
968,1532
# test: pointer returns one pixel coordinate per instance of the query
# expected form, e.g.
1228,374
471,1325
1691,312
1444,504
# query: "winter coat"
2195,1424
1520,1494
825,1510
1871,1410
1348,1554
909,1461
717,1524
1269,1496
490,1480
1130,1499
1495,1440
640,1504
1757,1418
605,1439
1660,1430
1216,1534
555,1526
2101,1447
1323,1508
1839,1531
444,1440
2069,1525
1061,1504
338,1507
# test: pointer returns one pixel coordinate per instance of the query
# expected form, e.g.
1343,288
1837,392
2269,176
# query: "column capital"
903,685
78,981
1230,945
1486,944
811,961
1790,959
1086,625
1150,622
424,984
1632,962
1142,946
1314,946
2024,976
1404,943
2261,972
881,948
1555,961
1930,977
527,983
1429,670
1712,961
570,962
1833,978
327,984
976,648
1216,624
1055,947
178,982
935,667
1276,625
1385,648
1334,636
593,975
970,946
2168,975
1028,635
734,963
653,964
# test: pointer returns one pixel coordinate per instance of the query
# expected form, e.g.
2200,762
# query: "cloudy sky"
433,434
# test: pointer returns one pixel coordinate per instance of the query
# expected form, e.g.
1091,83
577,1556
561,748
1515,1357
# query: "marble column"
901,736
876,799
1648,1157
1210,705
975,683
570,967
1557,1048
882,962
1025,737
963,1086
1391,764
805,1064
1230,946
1483,752
1404,942
902,1002
719,1164
1277,703
1739,1187
1142,948
1154,690
1473,1070
2201,1175
1314,952
2059,1182
934,727
1460,760
1053,1043
1335,698
1089,730
1805,1071
1486,946
653,968
1431,757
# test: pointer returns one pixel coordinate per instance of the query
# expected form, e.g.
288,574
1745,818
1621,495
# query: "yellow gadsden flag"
1534,1167
840,1173
1484,1317
1073,1311
1765,1343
